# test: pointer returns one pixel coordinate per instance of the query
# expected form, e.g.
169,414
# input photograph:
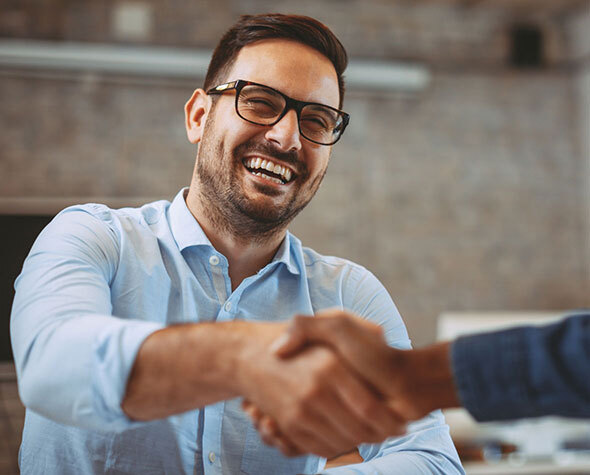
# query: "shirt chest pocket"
260,459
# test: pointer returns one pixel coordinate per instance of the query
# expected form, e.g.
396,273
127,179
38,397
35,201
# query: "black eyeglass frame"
290,103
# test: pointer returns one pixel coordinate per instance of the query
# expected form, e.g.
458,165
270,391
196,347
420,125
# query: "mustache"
272,151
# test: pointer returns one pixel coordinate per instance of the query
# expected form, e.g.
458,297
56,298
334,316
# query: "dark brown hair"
252,28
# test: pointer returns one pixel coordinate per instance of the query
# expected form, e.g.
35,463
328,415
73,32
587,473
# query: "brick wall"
471,194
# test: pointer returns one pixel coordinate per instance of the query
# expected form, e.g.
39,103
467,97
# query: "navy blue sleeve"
525,371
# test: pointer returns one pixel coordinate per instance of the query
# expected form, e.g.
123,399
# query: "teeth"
263,164
271,178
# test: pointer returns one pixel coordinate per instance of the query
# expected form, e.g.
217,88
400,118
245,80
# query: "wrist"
431,367
250,352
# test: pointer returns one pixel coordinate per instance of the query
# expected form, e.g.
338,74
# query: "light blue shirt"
98,281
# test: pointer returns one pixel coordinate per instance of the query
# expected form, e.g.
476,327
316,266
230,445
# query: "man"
136,331
503,375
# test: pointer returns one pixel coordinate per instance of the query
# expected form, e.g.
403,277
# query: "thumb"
293,339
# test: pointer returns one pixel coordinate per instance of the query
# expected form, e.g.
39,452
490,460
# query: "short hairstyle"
252,28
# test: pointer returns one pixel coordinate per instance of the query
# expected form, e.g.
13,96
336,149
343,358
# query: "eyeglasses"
263,105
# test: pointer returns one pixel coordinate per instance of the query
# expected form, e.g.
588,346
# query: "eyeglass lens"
263,106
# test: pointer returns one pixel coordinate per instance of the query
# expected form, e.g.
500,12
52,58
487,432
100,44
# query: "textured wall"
470,195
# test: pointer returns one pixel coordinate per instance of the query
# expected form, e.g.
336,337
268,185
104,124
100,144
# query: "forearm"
184,367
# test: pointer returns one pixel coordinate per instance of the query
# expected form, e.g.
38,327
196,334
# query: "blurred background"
462,182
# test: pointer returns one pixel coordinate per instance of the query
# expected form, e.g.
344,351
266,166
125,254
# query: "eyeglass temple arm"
222,87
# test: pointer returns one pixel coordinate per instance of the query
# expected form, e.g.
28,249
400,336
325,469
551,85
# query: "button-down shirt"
98,281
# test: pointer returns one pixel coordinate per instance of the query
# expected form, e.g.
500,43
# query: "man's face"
230,163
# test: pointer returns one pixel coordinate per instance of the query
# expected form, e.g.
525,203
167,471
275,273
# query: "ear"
196,111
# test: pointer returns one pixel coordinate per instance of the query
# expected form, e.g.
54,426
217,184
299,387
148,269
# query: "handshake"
351,386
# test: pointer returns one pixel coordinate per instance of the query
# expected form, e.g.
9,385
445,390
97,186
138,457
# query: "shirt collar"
185,228
187,232
287,252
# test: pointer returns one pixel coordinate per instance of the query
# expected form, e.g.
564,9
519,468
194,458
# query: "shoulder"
147,214
351,276
93,228
326,265
97,217
359,291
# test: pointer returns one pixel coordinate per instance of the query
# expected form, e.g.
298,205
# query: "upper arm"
72,355
67,273
368,298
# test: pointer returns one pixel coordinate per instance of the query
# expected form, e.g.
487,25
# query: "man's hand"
414,382
318,403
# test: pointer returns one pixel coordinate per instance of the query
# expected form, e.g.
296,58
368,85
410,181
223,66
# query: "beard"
222,191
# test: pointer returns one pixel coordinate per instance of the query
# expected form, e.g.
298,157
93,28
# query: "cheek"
319,162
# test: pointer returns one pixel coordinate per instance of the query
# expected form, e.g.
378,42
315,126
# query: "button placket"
217,269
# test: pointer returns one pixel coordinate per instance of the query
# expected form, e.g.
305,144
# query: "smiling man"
137,332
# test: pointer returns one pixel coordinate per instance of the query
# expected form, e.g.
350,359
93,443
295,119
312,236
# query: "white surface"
454,324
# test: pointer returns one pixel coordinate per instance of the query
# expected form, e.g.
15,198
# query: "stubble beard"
224,201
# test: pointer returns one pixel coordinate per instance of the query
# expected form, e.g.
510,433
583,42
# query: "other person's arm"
509,374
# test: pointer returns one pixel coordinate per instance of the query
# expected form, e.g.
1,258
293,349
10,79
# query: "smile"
269,170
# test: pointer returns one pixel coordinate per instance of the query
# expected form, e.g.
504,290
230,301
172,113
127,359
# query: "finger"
358,342
268,431
287,449
271,435
368,407
312,432
307,442
319,329
349,429
331,427
254,413
325,438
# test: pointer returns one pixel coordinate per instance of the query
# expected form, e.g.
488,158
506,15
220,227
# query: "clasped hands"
343,386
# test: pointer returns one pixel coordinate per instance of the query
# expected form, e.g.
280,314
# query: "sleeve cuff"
114,357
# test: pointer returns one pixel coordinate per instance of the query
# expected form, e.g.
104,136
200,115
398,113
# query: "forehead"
293,68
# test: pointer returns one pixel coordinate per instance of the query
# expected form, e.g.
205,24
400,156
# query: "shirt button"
227,306
214,260
212,457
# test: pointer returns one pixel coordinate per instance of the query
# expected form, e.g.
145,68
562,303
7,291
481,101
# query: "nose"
285,133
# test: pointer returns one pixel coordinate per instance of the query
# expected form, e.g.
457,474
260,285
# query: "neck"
245,254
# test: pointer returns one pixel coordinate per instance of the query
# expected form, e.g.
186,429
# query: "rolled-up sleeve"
72,356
